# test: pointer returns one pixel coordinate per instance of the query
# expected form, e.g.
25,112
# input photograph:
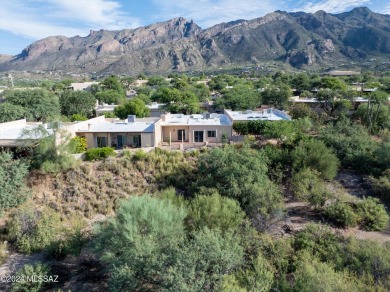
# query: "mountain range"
298,39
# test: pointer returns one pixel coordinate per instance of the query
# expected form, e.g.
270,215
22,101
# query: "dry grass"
95,187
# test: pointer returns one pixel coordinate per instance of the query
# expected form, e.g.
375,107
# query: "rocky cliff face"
300,39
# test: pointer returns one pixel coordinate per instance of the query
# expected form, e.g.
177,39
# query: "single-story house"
18,133
86,86
133,133
156,109
197,128
269,114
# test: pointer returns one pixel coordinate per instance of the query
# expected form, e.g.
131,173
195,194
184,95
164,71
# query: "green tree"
177,101
332,102
276,96
333,83
113,83
39,104
241,97
10,112
13,189
375,115
134,106
77,102
110,97
157,80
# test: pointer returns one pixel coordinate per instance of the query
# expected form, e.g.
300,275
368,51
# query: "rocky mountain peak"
299,39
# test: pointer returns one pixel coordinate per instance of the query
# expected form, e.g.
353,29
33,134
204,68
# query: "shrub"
140,244
314,154
259,277
71,241
240,174
306,185
33,230
381,186
352,144
140,155
13,190
214,212
373,215
3,252
78,118
28,271
78,145
99,153
313,275
342,215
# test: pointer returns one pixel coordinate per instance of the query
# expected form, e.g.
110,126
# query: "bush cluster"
99,153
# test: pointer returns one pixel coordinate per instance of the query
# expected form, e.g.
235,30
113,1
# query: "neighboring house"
134,133
17,133
269,114
101,109
197,128
156,109
86,86
335,73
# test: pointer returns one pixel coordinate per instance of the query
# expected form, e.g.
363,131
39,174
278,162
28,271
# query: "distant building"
86,86
101,109
156,109
337,73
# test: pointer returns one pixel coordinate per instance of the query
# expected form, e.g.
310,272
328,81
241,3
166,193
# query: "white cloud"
42,18
210,12
387,9
332,6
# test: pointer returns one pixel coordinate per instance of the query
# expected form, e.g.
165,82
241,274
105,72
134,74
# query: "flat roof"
263,115
155,105
196,119
120,127
19,133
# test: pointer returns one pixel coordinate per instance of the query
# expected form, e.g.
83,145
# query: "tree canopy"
135,106
39,104
77,102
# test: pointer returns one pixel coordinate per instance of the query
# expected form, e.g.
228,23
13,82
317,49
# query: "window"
101,141
198,136
181,135
211,134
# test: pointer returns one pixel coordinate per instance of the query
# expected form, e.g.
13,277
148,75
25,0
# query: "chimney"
131,118
206,116
89,127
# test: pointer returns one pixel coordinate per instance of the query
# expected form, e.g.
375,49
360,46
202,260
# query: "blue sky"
25,21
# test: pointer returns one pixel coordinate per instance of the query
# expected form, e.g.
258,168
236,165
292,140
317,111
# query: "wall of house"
79,126
157,133
166,130
147,140
219,131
